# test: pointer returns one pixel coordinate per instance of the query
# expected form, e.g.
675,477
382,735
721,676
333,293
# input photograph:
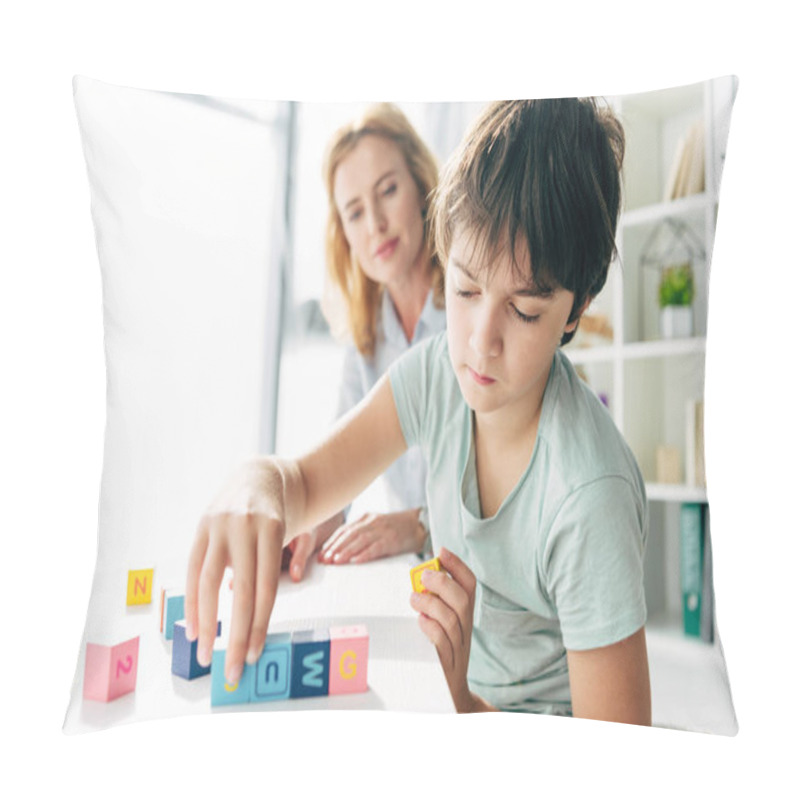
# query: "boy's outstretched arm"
266,504
612,683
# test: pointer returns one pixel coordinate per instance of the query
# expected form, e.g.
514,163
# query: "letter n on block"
110,672
349,656
274,669
311,651
140,587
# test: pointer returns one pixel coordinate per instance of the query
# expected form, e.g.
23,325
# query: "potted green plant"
675,296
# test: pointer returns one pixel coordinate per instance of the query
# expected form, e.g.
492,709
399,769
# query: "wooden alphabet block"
140,587
222,693
416,573
311,652
349,655
110,672
274,669
184,653
171,610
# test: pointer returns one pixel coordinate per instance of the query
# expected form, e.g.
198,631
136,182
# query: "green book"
707,607
691,533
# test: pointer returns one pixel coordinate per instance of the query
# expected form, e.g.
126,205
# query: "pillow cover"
196,221
186,230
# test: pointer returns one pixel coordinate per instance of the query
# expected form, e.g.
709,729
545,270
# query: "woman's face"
381,210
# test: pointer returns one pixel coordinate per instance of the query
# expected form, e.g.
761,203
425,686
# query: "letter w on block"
311,652
312,664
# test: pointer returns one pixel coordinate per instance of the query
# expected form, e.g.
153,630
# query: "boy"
536,504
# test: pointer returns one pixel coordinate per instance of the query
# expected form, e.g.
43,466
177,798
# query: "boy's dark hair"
546,170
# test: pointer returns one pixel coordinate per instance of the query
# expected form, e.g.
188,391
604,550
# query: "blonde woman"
384,277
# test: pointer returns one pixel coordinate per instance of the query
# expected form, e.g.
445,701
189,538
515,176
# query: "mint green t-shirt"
560,565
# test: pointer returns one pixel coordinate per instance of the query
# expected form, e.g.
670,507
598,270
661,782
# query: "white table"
403,669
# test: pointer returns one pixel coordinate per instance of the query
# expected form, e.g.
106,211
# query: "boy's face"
502,334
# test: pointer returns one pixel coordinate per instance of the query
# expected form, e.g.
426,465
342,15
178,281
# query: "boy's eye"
464,292
525,317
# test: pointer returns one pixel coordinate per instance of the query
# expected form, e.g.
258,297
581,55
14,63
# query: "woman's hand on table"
374,536
297,553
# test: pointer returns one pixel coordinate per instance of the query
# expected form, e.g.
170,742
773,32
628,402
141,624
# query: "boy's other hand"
374,536
446,619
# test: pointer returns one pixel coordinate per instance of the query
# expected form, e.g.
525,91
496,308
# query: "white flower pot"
676,322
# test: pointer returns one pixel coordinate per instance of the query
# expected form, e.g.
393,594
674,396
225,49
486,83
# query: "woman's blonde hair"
361,295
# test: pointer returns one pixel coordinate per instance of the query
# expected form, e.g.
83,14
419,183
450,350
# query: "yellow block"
416,573
140,587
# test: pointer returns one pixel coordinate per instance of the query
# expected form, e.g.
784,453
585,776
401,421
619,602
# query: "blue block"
311,655
274,669
184,653
222,694
173,611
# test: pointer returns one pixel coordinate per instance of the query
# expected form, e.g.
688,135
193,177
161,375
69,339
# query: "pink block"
349,656
110,672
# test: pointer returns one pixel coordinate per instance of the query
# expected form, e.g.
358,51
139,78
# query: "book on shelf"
697,589
668,464
695,443
707,604
688,172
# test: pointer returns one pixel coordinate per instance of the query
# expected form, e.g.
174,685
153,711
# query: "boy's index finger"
196,558
210,580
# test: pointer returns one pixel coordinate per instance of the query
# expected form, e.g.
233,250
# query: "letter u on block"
274,669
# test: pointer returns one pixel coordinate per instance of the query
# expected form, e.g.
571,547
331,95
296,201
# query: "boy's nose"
485,339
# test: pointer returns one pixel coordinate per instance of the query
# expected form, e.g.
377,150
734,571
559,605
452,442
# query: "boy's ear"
574,324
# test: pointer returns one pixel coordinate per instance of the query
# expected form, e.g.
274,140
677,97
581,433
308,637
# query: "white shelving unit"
647,381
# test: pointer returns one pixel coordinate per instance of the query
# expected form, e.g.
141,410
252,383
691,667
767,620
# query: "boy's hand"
374,536
446,619
243,529
251,545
